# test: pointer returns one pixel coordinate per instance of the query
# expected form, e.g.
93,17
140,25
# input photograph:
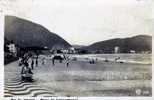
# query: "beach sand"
81,78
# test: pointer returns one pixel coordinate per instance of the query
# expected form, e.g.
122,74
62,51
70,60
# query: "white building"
72,50
116,49
12,48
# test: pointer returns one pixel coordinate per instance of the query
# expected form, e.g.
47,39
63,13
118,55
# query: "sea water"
129,58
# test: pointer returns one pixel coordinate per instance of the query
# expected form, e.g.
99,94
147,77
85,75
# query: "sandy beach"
81,78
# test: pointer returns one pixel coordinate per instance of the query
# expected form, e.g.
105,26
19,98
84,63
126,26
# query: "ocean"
128,58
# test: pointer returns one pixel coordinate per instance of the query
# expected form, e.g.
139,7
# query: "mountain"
25,33
138,43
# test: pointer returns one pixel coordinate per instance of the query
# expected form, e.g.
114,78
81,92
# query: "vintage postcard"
77,49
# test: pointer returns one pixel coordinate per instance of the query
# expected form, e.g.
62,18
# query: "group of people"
27,63
93,61
61,58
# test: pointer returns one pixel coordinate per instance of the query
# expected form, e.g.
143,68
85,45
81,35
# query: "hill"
28,34
138,43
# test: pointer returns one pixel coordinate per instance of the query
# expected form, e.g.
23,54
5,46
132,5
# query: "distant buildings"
11,48
10,51
72,50
62,49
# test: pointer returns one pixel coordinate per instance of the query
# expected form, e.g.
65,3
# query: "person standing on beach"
67,62
36,62
29,60
20,61
43,60
32,63
53,62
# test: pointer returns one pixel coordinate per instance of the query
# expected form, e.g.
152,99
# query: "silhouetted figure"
106,60
67,62
92,61
32,64
36,62
43,61
53,61
20,61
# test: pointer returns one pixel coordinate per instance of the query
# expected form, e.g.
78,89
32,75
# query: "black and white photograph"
78,48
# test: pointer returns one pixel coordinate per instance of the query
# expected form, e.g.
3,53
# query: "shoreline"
103,57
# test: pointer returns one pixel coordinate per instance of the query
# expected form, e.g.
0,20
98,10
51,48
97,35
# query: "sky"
84,22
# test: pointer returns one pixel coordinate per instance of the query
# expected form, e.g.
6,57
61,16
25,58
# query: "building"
116,49
12,48
72,50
